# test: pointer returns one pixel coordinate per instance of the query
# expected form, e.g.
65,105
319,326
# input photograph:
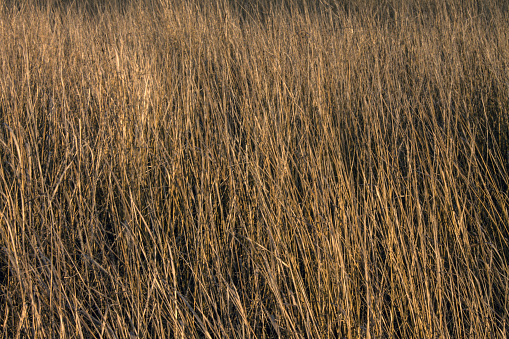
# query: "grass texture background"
254,169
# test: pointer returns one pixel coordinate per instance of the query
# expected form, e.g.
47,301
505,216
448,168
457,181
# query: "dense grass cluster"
254,169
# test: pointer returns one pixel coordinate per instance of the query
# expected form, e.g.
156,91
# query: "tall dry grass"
254,169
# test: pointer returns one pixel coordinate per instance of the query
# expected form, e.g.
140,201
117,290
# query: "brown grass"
254,169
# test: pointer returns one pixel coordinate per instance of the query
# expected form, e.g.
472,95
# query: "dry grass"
254,170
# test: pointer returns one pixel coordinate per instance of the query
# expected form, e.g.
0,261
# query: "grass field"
254,169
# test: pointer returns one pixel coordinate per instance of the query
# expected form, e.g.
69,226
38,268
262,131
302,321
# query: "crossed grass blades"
254,169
